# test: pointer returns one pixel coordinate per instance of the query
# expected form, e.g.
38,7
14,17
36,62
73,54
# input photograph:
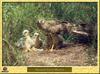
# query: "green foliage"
20,16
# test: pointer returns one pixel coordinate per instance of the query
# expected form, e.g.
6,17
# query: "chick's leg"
27,48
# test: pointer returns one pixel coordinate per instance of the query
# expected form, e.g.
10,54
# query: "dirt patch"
72,55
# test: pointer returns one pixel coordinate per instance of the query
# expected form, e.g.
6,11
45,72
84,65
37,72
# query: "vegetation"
19,16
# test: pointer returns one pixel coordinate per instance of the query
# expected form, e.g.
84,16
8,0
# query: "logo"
4,69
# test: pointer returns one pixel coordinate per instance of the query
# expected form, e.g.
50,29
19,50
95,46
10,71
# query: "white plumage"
28,40
30,43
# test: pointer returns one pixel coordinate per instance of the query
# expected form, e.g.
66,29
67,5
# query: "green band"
49,69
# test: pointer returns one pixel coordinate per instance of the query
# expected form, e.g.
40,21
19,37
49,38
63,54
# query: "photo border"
75,69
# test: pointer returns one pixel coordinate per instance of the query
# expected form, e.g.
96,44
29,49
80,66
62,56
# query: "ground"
71,55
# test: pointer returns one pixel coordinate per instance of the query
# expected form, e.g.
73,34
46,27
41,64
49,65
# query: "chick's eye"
25,32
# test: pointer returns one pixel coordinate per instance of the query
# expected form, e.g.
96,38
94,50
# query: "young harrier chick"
37,41
28,40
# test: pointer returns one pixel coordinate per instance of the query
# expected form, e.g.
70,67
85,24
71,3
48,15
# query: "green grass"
20,16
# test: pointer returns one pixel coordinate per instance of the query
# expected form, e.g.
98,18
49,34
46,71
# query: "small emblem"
5,69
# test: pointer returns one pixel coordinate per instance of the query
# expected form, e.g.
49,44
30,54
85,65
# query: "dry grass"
74,55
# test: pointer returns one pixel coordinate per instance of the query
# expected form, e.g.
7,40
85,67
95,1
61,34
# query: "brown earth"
71,55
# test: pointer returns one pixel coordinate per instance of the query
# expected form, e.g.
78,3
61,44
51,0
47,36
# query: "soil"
71,55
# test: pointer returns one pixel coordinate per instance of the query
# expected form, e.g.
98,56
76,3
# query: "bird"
29,43
37,40
55,30
28,40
